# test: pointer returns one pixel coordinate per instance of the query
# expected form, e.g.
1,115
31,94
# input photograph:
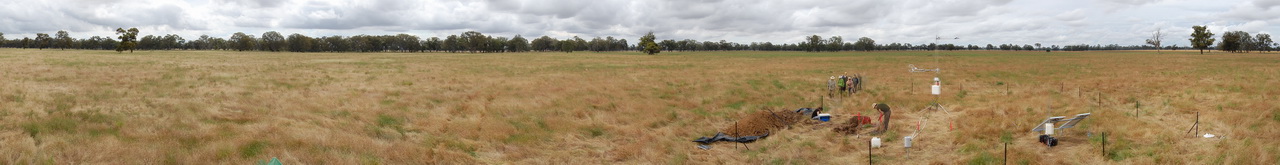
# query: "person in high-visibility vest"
843,78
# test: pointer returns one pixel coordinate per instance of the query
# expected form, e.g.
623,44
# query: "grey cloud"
1266,4
557,8
253,3
1254,11
1111,6
1132,2
170,15
365,14
913,21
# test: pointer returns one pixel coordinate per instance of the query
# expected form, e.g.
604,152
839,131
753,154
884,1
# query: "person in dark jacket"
884,114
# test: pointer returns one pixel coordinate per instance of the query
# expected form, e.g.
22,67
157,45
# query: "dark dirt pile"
767,121
853,125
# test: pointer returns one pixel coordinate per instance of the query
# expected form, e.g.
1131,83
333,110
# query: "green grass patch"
890,136
679,159
62,102
55,123
528,133
594,131
388,121
735,105
1119,149
968,148
1006,137
701,112
253,149
72,122
1275,115
984,158
755,84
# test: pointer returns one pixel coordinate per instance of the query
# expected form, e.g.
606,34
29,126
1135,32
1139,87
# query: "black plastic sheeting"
726,138
812,113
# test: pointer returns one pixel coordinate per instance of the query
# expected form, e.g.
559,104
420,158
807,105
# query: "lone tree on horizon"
128,39
648,45
1201,38
1155,40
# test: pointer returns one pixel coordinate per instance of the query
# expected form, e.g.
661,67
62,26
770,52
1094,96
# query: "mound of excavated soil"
767,121
852,126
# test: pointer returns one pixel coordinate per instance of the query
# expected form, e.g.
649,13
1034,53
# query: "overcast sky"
1050,22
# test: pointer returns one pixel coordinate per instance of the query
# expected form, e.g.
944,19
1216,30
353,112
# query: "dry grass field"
198,107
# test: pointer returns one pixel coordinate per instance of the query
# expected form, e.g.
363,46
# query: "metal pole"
868,152
1006,153
1104,145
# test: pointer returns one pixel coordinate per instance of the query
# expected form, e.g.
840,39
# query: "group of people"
844,84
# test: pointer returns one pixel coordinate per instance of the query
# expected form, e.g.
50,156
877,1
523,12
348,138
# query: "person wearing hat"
831,85
884,117
842,82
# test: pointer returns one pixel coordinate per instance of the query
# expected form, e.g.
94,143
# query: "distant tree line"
471,41
476,42
1233,41
1240,41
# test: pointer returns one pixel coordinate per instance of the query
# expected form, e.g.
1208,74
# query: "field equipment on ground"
936,88
875,142
914,69
1048,140
1196,125
1053,120
823,117
1047,127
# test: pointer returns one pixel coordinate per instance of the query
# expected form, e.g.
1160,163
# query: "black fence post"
1104,146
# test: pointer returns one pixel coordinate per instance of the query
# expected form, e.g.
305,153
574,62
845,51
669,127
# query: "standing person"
831,86
857,83
842,82
852,85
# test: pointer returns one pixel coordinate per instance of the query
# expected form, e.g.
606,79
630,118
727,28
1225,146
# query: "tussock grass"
194,107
